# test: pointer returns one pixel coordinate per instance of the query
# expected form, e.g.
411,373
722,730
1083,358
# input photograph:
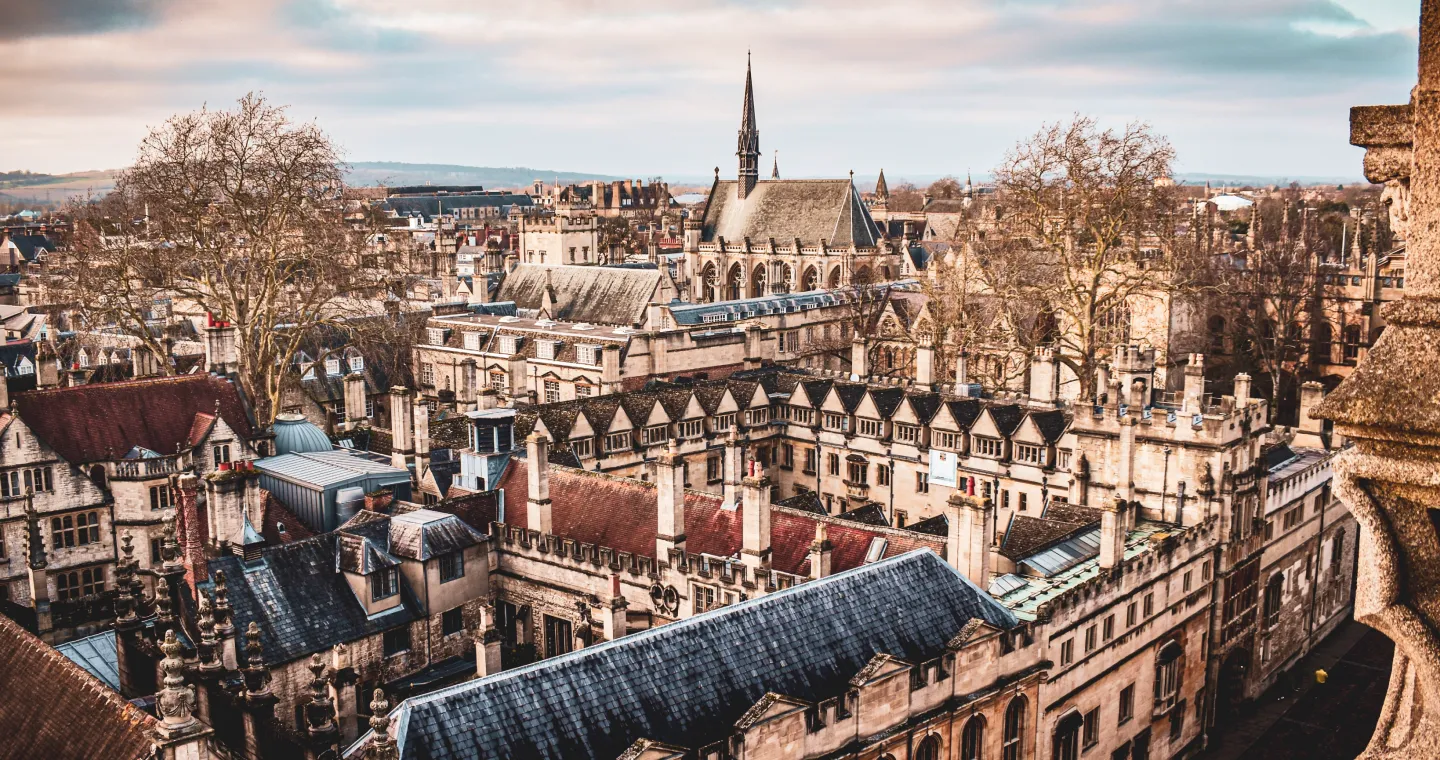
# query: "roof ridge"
124,383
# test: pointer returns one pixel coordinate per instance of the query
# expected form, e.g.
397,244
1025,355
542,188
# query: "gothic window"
559,638
1067,737
929,749
1013,738
972,739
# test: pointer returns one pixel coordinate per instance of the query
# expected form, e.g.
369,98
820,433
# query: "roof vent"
584,326
508,320
546,323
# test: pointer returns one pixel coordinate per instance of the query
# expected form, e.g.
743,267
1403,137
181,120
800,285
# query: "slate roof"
1027,535
598,295
621,513
786,209
302,603
423,534
1051,424
689,682
30,246
430,205
97,422
52,708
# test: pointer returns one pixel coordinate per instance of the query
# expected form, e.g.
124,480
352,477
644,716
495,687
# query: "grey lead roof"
687,683
97,655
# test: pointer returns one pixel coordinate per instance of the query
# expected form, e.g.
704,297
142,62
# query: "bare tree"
1091,220
947,188
237,214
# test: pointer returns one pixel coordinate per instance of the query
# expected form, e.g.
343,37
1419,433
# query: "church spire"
882,190
748,149
775,166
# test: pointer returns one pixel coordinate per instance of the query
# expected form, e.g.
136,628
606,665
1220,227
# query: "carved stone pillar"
1390,409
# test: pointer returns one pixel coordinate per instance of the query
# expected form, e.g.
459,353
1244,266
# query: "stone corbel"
1387,135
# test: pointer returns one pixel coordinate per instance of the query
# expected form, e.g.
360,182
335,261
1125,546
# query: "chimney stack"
1195,384
820,552
487,645
192,529
616,622
1242,389
670,502
537,507
859,359
422,440
731,472
355,400
1311,430
969,534
925,362
1043,376
401,427
221,354
755,520
1112,533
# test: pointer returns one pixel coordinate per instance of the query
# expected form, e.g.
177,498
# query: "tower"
748,149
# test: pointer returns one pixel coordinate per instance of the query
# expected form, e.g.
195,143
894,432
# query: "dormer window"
435,335
509,344
472,341
587,353
452,566
547,349
332,367
357,364
384,584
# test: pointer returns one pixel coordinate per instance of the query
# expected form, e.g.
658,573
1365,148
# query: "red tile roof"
275,514
621,513
51,708
92,423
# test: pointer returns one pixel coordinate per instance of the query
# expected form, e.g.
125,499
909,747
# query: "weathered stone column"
1390,409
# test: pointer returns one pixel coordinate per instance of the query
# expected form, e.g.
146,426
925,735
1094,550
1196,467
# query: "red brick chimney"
193,530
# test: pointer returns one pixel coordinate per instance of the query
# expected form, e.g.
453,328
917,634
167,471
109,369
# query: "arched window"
1013,739
1067,737
929,749
1168,671
1274,592
972,739
1323,335
1337,549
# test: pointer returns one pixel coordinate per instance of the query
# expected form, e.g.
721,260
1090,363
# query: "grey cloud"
43,18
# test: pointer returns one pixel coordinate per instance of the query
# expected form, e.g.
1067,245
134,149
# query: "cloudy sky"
920,87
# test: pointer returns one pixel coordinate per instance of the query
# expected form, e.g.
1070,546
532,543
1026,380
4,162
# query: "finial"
163,603
175,702
382,747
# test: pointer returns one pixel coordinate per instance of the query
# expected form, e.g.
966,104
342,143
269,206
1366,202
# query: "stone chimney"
537,505
488,398
670,502
1125,461
616,622
1112,533
859,359
962,372
753,354
969,534
755,518
820,552
610,370
519,382
402,426
548,306
925,362
469,384
1195,384
221,353
1242,389
487,645
731,472
422,440
1043,376
1311,430
355,399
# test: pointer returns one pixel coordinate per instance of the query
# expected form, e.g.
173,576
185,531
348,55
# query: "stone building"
760,237
564,333
568,235
80,465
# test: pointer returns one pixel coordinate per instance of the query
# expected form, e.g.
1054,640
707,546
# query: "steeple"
882,190
775,166
748,149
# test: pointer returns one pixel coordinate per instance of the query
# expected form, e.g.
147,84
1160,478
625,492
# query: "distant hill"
54,189
394,173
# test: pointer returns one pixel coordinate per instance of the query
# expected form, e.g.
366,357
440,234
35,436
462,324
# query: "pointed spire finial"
175,702
775,166
882,189
382,747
